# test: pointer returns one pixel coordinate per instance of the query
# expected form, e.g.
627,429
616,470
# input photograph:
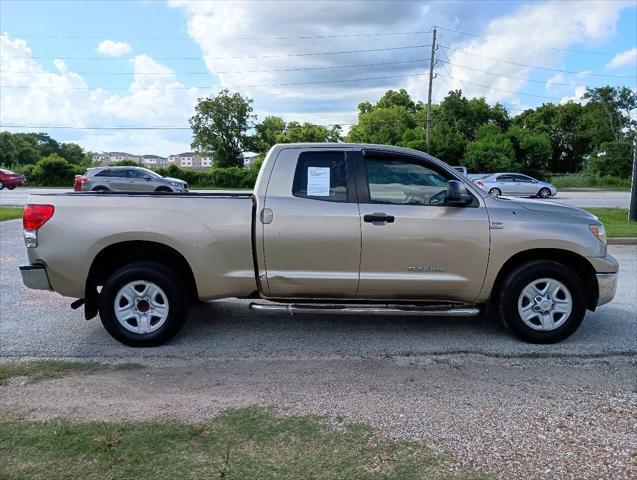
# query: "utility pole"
632,213
431,81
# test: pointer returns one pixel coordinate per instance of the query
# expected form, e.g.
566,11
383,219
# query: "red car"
10,179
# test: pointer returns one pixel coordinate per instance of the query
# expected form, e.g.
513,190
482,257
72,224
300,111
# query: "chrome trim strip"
607,285
35,277
293,309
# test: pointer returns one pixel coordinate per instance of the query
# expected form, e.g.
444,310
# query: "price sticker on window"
318,182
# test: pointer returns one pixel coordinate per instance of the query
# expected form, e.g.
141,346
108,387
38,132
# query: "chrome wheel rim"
141,307
494,192
545,304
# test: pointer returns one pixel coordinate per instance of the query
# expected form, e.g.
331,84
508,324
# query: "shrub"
612,159
52,171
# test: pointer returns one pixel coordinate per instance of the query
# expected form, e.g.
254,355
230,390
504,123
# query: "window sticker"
318,181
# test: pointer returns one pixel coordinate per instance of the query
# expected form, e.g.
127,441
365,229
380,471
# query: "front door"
413,246
311,225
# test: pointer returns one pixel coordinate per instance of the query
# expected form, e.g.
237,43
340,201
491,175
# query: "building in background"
154,161
190,160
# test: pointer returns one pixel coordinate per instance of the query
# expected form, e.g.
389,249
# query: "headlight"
175,184
599,231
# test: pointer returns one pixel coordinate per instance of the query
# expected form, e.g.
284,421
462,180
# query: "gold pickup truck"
330,228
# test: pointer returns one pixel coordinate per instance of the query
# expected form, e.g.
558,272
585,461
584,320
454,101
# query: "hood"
552,208
171,179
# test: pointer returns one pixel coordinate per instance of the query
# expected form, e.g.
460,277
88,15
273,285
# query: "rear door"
311,225
413,246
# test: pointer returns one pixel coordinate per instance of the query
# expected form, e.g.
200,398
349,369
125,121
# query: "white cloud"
519,38
629,57
114,49
580,90
32,95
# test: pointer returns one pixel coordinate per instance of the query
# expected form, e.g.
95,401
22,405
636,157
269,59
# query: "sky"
143,64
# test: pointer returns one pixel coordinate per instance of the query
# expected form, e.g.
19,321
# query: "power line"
536,66
507,76
299,69
262,37
500,89
320,82
285,55
533,45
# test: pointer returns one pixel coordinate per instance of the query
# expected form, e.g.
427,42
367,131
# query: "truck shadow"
229,326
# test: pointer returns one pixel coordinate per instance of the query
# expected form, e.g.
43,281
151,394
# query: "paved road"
41,324
592,198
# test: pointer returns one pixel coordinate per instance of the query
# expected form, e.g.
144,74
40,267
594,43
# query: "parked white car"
515,185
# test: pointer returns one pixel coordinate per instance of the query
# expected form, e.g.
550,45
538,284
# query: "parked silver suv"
515,185
137,179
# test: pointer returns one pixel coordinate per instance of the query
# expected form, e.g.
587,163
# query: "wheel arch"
116,255
577,263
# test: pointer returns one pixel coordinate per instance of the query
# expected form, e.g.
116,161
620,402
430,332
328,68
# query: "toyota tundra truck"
339,229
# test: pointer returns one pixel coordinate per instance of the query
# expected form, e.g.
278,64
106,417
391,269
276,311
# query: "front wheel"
11,187
542,302
143,304
544,193
1,184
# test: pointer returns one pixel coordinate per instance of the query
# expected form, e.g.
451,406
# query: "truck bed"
212,231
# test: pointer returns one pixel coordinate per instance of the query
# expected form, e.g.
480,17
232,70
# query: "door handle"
379,217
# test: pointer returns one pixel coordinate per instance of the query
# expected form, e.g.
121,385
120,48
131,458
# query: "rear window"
321,176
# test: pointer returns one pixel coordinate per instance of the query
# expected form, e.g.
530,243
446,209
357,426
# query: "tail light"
479,184
79,181
33,218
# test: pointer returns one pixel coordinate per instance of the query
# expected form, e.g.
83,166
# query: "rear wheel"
1,184
544,193
495,192
99,188
143,304
542,302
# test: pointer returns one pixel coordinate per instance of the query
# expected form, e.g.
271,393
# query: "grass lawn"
10,213
616,221
42,369
238,444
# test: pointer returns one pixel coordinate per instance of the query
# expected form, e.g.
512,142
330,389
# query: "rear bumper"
607,285
35,277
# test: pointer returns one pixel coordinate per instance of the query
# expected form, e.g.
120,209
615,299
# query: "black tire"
159,275
495,192
99,189
11,187
544,193
1,184
516,281
163,189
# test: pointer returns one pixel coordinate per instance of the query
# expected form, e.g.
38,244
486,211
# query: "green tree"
309,132
54,170
615,104
268,133
491,151
532,149
612,158
220,125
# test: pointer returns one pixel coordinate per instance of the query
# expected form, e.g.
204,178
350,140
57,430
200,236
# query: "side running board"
414,311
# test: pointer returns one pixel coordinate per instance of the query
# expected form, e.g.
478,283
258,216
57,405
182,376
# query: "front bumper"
607,286
35,277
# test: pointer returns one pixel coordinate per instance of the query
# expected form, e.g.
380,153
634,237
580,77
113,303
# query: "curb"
622,241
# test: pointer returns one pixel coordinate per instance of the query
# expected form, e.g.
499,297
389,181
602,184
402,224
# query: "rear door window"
321,175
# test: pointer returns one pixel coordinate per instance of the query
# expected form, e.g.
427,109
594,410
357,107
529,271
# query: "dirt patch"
526,418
